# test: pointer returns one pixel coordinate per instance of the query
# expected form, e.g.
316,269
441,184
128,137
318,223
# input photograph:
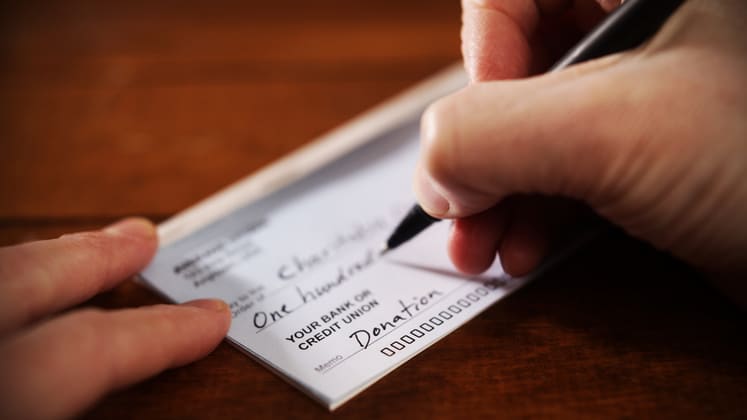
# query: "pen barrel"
627,27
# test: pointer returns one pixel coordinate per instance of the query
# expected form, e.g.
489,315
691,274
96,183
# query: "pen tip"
383,250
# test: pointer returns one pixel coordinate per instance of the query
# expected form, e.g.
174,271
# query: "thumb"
553,135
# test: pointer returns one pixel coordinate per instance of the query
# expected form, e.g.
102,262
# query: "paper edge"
314,155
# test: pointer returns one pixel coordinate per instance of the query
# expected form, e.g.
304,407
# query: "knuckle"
98,249
439,139
89,241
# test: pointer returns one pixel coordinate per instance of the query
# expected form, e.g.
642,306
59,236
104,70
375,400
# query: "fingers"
536,225
474,240
513,231
522,230
526,240
74,359
42,277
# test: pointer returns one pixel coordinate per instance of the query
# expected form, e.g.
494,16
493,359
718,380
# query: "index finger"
41,277
69,362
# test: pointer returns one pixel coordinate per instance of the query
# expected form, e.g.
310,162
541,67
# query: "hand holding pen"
652,138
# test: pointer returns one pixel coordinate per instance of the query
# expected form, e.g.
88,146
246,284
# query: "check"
310,295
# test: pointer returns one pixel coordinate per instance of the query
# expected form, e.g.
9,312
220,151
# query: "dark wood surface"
110,109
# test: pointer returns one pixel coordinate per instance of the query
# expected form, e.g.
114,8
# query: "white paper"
311,298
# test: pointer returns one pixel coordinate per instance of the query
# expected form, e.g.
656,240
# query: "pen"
628,26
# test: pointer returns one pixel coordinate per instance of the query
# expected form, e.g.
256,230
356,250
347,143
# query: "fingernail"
133,226
430,199
215,305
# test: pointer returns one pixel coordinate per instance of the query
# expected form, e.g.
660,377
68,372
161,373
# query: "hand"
53,366
654,139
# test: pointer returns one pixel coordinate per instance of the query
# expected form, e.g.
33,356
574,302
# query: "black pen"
628,26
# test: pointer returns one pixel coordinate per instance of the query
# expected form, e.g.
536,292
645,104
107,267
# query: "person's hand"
654,139
54,366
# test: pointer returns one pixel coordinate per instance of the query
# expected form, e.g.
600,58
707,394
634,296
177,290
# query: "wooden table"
146,107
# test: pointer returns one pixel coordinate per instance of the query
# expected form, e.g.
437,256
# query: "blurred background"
116,108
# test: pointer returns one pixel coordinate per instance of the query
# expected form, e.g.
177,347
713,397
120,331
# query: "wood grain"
115,108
